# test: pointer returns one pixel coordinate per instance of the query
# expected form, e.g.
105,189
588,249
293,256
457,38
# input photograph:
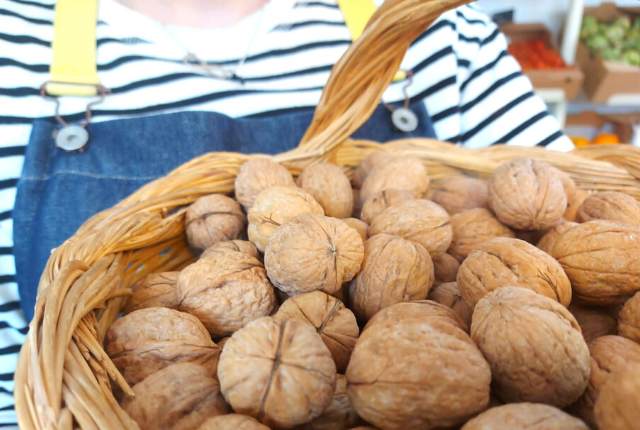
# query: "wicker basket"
64,377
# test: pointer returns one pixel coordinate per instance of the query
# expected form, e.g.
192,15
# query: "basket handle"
363,73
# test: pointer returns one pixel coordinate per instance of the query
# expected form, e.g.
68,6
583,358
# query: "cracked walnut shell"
449,295
526,194
179,397
416,374
234,246
629,319
460,194
226,291
377,203
610,205
232,422
257,175
530,416
148,340
398,173
473,227
313,252
505,262
330,187
274,207
419,309
393,270
212,219
336,325
154,291
445,269
618,404
268,366
339,415
533,345
420,221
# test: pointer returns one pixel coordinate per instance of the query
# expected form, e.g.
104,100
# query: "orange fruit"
579,142
606,139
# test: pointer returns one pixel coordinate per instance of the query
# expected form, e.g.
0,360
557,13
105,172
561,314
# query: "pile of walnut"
506,304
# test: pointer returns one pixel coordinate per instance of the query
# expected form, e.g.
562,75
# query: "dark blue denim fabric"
58,191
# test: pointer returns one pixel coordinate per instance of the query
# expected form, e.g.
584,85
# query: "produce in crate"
618,40
535,55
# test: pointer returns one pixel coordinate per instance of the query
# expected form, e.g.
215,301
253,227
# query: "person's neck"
196,13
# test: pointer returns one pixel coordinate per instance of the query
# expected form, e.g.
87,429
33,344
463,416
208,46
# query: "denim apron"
58,190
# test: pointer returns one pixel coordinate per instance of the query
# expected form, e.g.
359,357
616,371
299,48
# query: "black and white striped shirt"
473,91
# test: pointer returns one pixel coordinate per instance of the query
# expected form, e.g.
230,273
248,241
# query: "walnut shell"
600,259
313,252
232,245
526,194
534,346
179,397
398,173
226,291
473,227
377,203
154,291
593,322
212,219
419,309
575,196
366,165
257,175
393,270
274,207
449,295
549,239
232,422
420,221
460,194
610,205
268,366
336,325
608,353
223,341
339,415
618,404
530,416
148,340
445,269
505,262
629,319
357,204
360,226
416,374
330,187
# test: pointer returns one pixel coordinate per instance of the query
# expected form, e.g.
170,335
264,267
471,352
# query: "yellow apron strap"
73,66
356,15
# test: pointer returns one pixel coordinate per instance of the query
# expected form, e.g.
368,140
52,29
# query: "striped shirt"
473,90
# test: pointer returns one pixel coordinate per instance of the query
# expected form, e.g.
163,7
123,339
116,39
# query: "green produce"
598,43
618,40
611,54
631,57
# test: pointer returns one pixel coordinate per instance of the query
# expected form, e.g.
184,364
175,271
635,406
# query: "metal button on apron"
72,138
404,120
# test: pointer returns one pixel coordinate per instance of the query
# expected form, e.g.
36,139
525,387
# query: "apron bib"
58,191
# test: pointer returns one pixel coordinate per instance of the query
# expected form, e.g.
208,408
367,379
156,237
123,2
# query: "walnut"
618,404
178,397
232,245
212,219
593,322
526,194
268,366
232,422
460,194
330,187
600,259
534,346
223,341
608,353
226,291
629,319
419,309
360,226
398,173
575,196
473,227
550,237
417,374
377,203
445,269
257,175
274,207
148,340
532,236
420,221
339,415
530,416
610,205
313,252
393,270
154,291
504,262
336,325
357,204
449,295
366,165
